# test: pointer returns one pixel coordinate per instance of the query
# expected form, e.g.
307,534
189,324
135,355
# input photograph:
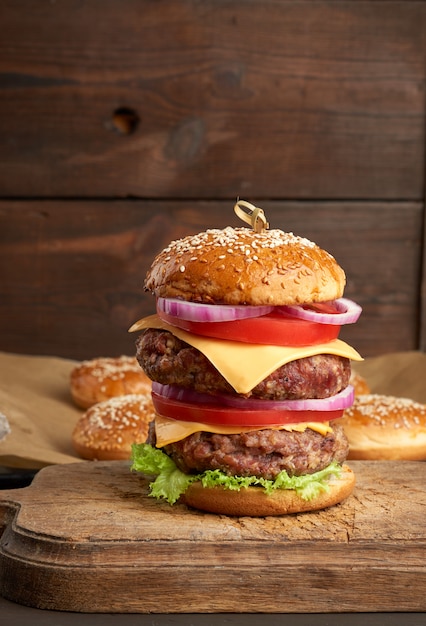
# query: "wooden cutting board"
86,537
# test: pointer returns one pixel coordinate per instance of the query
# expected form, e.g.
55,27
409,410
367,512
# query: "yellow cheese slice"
244,365
170,430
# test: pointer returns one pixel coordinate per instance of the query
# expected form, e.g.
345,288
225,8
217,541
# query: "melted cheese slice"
244,365
170,430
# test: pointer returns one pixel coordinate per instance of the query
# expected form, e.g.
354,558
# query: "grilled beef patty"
170,361
262,453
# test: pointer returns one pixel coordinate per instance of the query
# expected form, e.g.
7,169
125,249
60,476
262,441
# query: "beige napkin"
35,398
401,374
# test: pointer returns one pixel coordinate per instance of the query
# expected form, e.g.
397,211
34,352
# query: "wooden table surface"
85,537
19,615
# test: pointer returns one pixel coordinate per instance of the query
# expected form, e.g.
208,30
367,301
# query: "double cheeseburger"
249,377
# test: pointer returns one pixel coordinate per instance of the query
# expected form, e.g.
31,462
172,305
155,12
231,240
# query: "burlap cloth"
35,398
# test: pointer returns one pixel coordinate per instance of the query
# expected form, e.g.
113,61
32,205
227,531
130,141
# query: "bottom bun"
254,502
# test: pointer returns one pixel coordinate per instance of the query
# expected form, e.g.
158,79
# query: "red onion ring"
341,400
200,312
347,312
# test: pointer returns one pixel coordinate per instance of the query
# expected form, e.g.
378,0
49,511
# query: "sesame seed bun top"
101,378
381,427
240,266
107,430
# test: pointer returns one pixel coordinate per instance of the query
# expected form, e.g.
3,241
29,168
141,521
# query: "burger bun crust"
239,266
254,502
101,378
107,430
381,427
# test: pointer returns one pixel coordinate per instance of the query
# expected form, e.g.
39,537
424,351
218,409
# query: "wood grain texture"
267,98
87,538
112,114
72,272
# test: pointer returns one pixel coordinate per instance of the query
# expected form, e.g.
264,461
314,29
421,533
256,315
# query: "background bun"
239,266
108,429
107,377
254,502
359,384
385,427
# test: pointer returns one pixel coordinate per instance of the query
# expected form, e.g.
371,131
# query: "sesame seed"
110,368
233,240
381,408
116,423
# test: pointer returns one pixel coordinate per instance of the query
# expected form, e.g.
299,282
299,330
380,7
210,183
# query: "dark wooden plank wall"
124,124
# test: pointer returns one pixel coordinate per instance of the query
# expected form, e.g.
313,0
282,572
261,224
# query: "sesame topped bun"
102,378
107,430
381,427
240,266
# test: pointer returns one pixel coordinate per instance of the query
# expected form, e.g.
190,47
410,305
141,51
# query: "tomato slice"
230,416
272,329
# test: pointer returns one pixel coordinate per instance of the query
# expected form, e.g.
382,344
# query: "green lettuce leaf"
171,482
